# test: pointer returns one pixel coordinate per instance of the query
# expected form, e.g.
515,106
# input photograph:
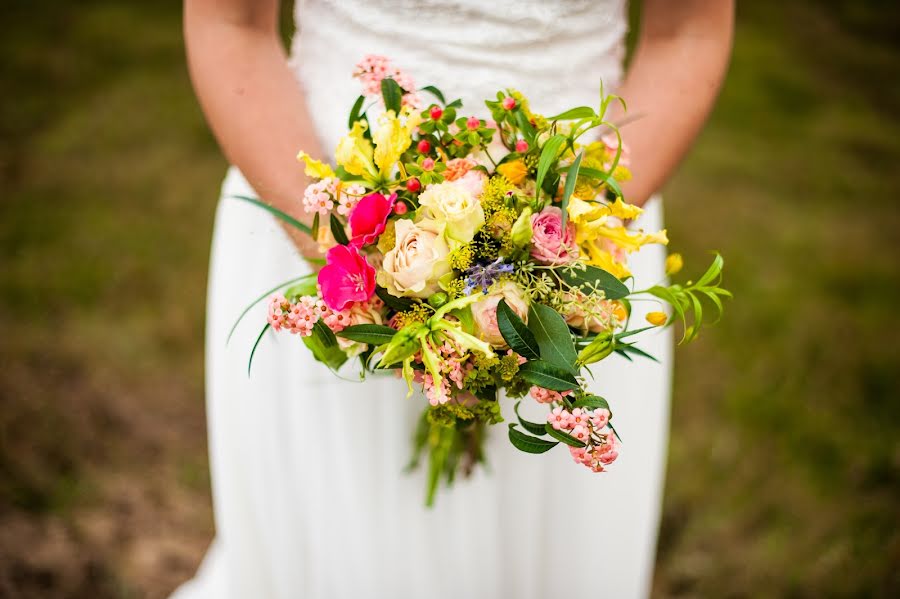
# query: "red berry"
509,102
424,147
400,208
413,185
436,113
521,146
472,123
427,164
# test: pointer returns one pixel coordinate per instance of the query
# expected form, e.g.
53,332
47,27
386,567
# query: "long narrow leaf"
527,443
532,427
549,155
278,213
571,179
255,345
553,337
259,299
515,333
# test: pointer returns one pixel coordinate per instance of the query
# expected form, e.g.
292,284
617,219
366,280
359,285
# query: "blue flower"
484,275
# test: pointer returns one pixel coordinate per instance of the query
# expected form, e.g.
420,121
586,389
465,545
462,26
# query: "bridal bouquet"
476,256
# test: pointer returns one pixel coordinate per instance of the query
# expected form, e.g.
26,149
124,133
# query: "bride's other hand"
678,66
251,99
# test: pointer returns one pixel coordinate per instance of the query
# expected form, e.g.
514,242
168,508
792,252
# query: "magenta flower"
368,218
346,278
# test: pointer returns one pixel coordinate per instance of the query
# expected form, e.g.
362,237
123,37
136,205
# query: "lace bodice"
556,53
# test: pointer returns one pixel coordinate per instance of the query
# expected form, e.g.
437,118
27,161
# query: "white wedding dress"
310,494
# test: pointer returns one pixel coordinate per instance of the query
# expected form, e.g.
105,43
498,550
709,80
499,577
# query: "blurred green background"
784,471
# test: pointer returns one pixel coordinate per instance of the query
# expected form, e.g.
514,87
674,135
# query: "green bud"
599,348
436,300
520,234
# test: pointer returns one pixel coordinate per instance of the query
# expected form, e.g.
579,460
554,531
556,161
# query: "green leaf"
549,155
525,126
261,298
628,348
323,345
571,178
434,92
337,230
604,177
373,334
278,213
591,402
255,345
542,374
354,112
392,94
532,427
553,337
527,443
561,436
594,278
400,304
315,226
515,333
581,112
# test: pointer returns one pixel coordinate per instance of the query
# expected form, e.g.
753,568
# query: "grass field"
784,471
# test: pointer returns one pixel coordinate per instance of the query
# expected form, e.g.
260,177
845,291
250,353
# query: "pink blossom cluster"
320,196
454,368
373,68
591,427
300,317
542,395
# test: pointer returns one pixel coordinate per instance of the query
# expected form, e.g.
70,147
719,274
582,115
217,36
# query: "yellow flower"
354,152
514,170
601,258
631,241
392,137
674,263
315,168
657,319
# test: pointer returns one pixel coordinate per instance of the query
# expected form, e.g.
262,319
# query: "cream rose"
454,205
419,258
484,311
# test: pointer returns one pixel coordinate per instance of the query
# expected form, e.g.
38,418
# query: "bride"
310,494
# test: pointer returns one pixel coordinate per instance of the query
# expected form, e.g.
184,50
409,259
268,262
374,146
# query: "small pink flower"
600,418
581,433
542,395
550,244
346,278
369,216
559,418
458,167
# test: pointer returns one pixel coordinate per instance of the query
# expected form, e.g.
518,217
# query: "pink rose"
473,182
345,278
368,218
549,243
484,311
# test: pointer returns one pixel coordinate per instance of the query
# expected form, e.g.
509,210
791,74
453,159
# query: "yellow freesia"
603,259
315,168
631,241
674,264
354,152
392,137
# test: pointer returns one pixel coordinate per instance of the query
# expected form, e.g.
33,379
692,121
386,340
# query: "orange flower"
514,170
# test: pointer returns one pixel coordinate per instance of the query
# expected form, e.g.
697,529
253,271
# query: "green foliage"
527,443
553,337
685,299
374,334
283,216
323,345
544,374
516,333
592,279
392,94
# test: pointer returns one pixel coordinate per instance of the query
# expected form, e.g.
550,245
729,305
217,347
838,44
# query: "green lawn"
784,472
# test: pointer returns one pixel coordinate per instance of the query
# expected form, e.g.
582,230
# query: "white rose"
417,261
484,311
453,205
